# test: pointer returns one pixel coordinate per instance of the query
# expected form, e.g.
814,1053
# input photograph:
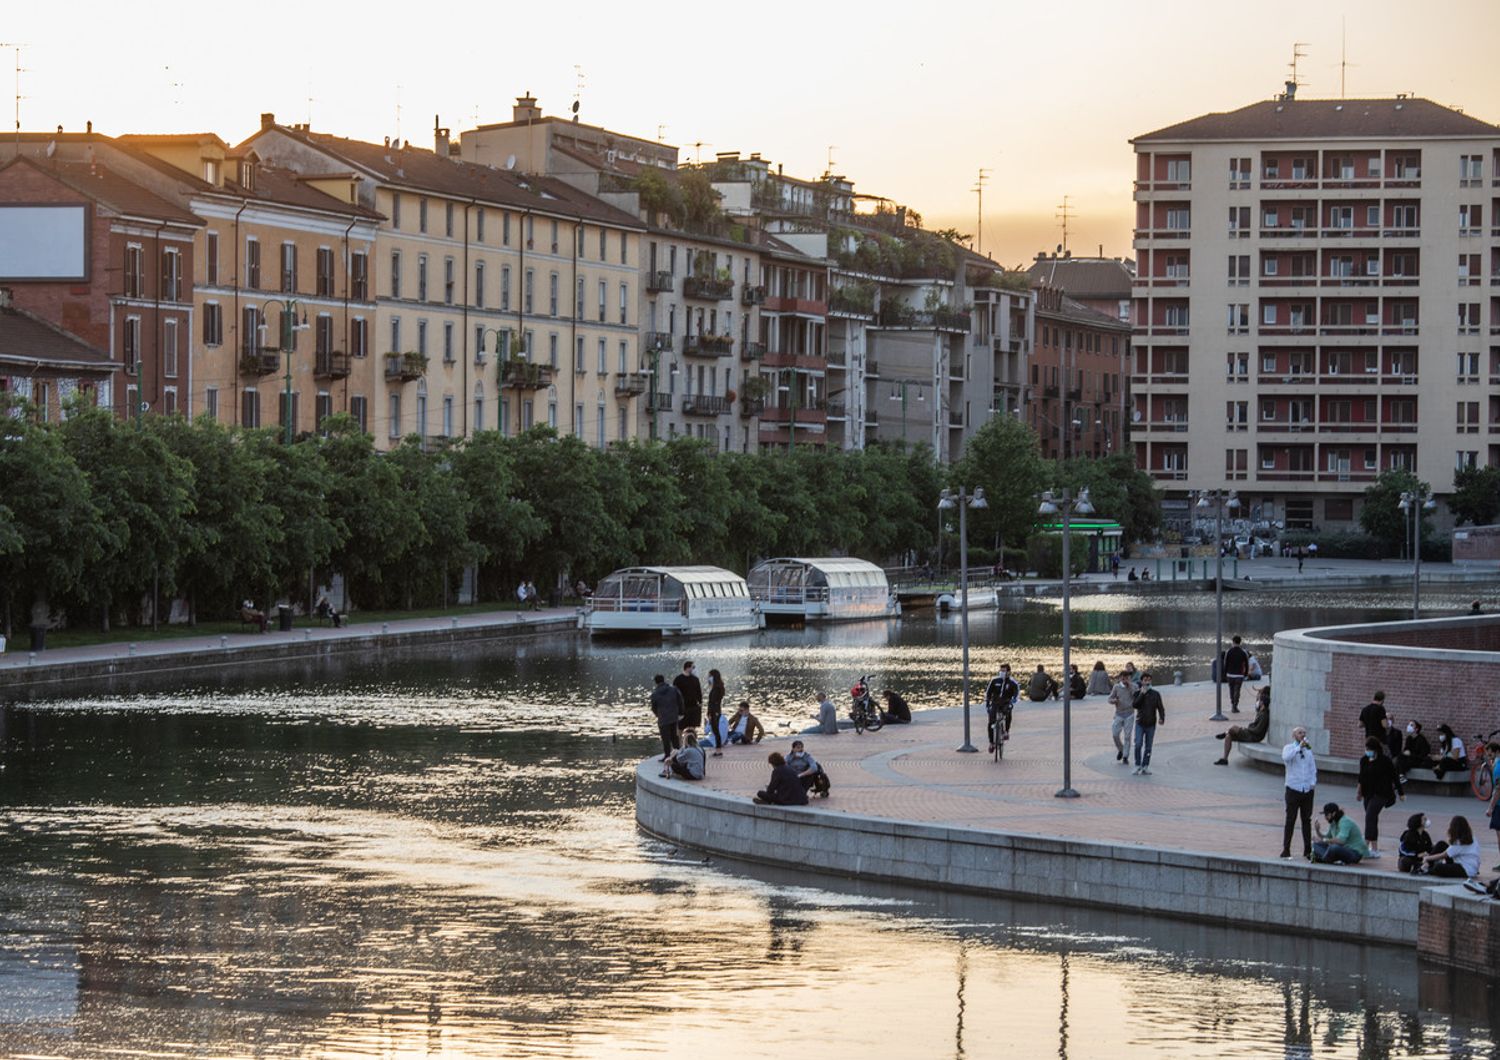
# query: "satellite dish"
1135,416
575,106
510,161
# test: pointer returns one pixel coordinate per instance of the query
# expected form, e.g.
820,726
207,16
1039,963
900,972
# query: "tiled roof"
110,188
418,169
29,340
1084,277
1320,119
1078,313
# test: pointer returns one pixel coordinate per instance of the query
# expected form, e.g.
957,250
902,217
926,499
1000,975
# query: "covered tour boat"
829,589
673,602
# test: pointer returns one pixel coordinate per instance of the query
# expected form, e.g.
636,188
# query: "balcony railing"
837,410
899,316
405,367
707,288
752,295
259,362
661,401
331,365
660,280
523,375
658,340
629,383
708,345
705,405
752,351
857,301
751,406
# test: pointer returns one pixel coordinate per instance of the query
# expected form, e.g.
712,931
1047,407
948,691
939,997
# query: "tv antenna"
398,112
1299,52
661,134
698,146
1344,62
175,86
19,70
978,189
1064,214
829,171
578,85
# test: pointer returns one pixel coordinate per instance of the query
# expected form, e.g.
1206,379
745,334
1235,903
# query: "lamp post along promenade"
964,501
1068,506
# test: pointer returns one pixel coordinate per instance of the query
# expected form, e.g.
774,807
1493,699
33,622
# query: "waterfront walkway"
911,773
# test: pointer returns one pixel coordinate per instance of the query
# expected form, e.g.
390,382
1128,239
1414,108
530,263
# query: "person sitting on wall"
896,711
808,771
1132,576
327,612
1416,752
249,613
1458,858
1340,842
1077,687
687,761
1041,686
1145,575
1416,844
1452,755
1255,732
785,788
745,727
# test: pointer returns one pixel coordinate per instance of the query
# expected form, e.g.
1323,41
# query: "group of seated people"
1340,842
1408,747
1043,686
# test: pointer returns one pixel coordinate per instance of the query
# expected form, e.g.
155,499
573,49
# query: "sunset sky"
912,99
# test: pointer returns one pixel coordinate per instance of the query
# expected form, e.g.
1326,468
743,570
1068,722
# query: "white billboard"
43,242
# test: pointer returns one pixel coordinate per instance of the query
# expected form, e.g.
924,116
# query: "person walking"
1236,668
691,689
666,704
1122,698
1149,711
1379,787
1301,782
716,708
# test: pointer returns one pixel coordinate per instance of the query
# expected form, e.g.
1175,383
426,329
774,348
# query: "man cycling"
1000,701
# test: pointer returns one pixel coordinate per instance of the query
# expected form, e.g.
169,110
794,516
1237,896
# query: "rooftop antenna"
979,183
1299,52
398,112
19,97
661,134
698,146
578,83
829,171
1064,215
1344,62
176,86
310,102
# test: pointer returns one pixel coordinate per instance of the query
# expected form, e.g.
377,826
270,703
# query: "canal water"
435,855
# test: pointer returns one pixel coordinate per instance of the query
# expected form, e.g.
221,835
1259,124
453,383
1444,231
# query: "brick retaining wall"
1459,929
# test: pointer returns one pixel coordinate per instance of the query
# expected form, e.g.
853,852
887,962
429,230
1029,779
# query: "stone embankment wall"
1434,670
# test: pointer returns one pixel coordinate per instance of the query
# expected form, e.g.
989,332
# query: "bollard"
455,624
132,649
1177,677
30,657
307,634
223,642
385,627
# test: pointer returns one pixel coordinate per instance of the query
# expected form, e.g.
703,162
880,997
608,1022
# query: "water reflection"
438,857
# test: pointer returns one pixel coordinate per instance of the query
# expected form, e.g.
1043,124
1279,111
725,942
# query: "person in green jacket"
1340,843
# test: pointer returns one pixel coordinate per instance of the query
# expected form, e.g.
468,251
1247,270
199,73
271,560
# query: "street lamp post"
1067,506
963,502
289,328
1218,501
1414,503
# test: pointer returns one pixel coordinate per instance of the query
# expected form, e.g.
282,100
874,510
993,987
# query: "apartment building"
98,274
1311,301
503,299
700,287
1079,368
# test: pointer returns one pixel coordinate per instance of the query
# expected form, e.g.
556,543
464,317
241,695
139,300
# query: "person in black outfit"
1078,688
1395,743
715,706
691,689
785,788
1416,753
666,704
1236,669
1379,787
999,701
1371,717
1416,844
896,711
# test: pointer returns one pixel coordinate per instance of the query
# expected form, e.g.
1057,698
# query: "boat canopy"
671,583
834,572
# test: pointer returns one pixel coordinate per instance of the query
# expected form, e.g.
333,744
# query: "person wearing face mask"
1379,787
691,690
1453,757
1416,844
1148,712
1416,752
1301,783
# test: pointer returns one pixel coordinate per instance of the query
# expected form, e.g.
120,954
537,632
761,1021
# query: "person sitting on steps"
1255,732
785,789
1041,686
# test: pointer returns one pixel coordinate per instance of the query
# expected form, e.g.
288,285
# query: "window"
1465,460
130,339
1239,222
578,419
479,225
395,274
603,244
1468,417
422,337
552,349
554,250
1468,367
421,277
527,298
359,275
624,357
603,299
479,283
213,324
1179,170
624,303
169,348
552,414
578,300
552,294
323,336
211,257
252,263
393,426
603,357
447,281
395,335
479,406
578,356
447,416
1470,169
359,409
422,214
249,408
322,409
504,229
325,272
1179,219
250,329
289,268
211,403
625,252
448,342
599,421
505,286
359,337
448,219
395,209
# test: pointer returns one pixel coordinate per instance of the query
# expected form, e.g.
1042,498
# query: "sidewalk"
912,773
250,640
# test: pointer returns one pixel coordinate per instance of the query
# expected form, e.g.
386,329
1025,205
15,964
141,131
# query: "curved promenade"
1193,840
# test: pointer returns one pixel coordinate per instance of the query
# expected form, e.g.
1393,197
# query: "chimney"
439,138
526,109
1291,90
89,128
267,120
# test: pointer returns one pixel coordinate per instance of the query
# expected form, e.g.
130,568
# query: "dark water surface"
436,856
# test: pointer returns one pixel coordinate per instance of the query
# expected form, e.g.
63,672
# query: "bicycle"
999,728
865,713
1481,774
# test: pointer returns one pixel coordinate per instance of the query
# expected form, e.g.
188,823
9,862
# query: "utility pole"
984,176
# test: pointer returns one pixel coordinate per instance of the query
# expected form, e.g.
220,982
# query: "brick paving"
912,772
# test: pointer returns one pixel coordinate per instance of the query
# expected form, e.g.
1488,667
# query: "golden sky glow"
912,99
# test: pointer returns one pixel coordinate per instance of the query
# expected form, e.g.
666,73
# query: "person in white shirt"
1453,757
1458,858
1301,783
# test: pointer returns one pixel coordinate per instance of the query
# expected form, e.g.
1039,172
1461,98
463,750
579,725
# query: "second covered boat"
792,589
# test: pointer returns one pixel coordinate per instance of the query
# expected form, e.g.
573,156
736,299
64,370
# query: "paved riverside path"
912,773
17,657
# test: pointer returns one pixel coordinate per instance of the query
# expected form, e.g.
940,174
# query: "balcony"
660,280
752,351
900,316
629,384
815,307
708,345
405,367
523,375
852,301
705,405
707,288
658,340
752,296
783,414
781,359
838,410
872,369
259,362
658,402
750,407
331,365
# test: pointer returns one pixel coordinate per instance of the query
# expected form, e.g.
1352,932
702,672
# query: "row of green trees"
98,514
1475,500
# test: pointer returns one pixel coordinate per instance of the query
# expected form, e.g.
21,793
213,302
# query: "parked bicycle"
1481,773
